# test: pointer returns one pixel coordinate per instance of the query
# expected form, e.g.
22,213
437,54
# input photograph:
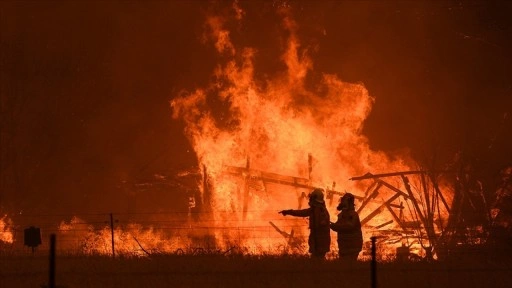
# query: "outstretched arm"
297,213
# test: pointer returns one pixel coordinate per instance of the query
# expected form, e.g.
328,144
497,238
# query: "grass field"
238,271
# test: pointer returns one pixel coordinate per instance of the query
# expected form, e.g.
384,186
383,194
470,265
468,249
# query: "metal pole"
112,232
51,276
374,262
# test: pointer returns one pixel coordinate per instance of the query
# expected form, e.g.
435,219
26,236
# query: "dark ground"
220,271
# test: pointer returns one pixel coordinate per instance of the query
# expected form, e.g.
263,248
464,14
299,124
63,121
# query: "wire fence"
181,233
166,232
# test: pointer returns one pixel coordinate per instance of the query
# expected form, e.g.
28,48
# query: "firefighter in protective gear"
348,227
319,240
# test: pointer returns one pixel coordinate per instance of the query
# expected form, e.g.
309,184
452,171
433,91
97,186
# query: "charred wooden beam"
275,178
330,196
283,233
246,189
300,200
370,196
383,224
377,211
439,194
291,240
413,199
397,219
205,201
370,188
403,194
374,176
270,177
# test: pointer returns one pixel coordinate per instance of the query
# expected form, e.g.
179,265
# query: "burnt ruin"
444,223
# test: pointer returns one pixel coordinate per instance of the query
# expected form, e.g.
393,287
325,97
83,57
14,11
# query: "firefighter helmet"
317,196
346,202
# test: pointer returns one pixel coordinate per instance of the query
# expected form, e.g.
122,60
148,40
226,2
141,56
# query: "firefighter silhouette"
319,240
348,228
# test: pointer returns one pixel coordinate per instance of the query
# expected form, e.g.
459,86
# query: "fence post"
51,274
374,263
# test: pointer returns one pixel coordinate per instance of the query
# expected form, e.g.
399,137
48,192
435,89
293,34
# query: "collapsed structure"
413,217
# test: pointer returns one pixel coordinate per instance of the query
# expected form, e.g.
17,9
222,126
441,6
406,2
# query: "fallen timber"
423,211
268,177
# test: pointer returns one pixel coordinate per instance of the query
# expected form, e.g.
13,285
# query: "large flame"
272,125
280,126
277,123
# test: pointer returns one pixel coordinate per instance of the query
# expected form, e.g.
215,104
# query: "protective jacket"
350,236
320,235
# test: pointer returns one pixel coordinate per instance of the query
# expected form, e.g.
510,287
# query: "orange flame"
276,123
260,126
6,231
133,239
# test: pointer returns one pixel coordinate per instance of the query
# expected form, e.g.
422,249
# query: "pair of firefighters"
348,226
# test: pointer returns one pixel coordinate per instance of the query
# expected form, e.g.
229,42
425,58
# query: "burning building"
267,142
267,128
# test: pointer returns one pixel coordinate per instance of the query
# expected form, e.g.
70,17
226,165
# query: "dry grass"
238,271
